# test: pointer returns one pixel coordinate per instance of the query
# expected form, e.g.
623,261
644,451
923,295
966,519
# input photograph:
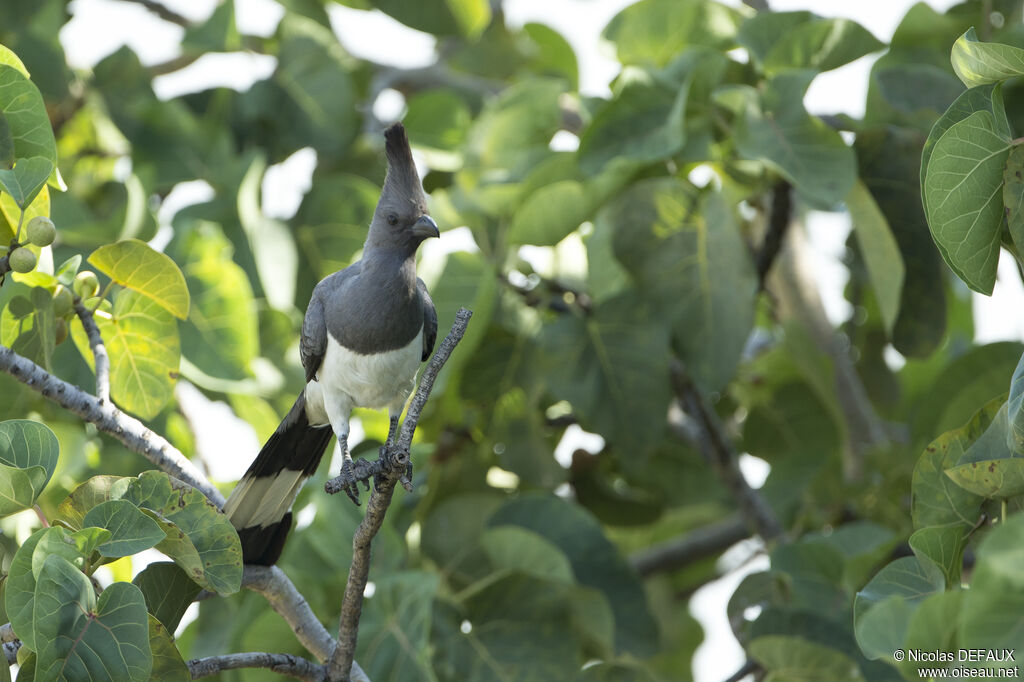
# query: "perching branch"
107,418
99,350
694,546
396,459
284,664
718,450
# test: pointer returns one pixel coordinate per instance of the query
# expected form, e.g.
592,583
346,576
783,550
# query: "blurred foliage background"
651,286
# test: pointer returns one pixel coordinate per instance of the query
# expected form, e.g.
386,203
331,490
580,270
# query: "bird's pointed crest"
401,174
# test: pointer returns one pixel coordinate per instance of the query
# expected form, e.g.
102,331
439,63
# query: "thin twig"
162,11
718,450
107,418
340,661
99,350
284,664
694,546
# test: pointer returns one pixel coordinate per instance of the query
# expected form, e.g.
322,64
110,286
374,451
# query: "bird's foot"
349,476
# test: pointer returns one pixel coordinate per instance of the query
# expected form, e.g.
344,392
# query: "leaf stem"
21,220
102,296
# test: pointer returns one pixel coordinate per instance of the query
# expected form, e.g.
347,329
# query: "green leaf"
221,335
26,179
89,494
438,120
883,609
943,546
82,638
688,258
933,626
778,131
145,354
27,326
135,265
387,651
880,251
963,198
978,63
515,549
982,98
643,122
6,143
168,591
611,365
1013,195
549,214
131,530
789,659
595,563
28,453
802,40
26,116
996,596
553,54
8,58
217,562
168,666
75,547
654,31
19,590
466,17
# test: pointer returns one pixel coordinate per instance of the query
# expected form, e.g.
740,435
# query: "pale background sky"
101,26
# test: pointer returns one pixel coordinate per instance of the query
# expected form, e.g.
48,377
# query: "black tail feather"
296,446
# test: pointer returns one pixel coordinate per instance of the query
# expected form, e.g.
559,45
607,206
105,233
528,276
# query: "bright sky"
101,26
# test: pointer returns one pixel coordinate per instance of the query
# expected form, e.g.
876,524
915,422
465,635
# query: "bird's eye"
392,219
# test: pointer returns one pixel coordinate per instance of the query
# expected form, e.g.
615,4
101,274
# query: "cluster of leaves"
971,188
69,626
593,272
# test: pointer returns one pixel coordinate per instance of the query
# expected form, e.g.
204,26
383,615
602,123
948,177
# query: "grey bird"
366,331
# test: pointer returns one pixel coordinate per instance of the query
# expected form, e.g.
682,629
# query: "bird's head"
401,218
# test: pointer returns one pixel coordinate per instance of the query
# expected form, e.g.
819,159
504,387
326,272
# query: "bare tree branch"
162,11
284,664
778,220
694,546
130,431
397,459
717,448
99,350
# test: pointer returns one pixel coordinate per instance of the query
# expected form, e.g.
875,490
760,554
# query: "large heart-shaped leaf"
978,63
964,198
82,638
145,354
168,591
136,265
212,555
28,457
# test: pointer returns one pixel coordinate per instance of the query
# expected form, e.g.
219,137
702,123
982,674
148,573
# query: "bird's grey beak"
425,227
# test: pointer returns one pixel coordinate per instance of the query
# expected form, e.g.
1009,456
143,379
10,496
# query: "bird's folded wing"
429,320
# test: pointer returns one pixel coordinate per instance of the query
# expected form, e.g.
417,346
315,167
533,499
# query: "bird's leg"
347,470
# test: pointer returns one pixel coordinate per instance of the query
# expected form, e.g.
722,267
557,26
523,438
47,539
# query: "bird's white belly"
376,380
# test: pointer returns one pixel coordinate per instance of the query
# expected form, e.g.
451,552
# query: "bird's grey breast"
373,315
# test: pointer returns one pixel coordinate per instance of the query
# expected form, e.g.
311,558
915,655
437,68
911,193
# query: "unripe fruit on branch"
22,260
63,301
41,231
60,330
86,284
